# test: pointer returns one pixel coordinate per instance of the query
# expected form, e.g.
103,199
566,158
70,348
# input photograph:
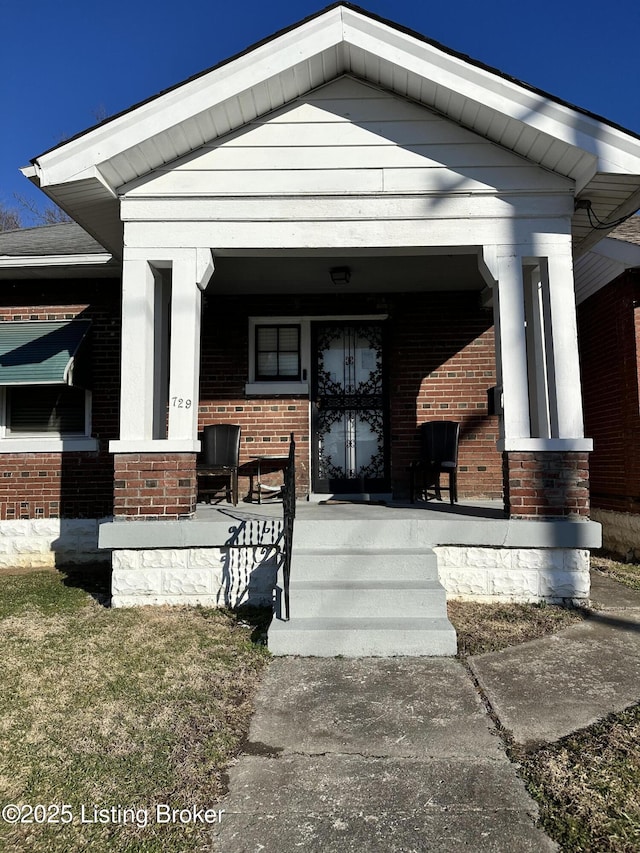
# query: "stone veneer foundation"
211,577
48,542
620,532
553,575
229,577
485,559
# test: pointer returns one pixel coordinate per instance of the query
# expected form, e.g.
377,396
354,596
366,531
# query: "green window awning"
44,352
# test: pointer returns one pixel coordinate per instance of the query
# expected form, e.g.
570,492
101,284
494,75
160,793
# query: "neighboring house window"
50,409
277,353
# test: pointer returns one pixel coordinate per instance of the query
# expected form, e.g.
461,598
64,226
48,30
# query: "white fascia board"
20,261
190,99
607,143
619,150
627,254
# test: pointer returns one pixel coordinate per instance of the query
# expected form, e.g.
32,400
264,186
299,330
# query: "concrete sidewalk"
399,755
546,689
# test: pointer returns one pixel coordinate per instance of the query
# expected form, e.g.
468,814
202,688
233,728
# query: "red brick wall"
546,485
154,485
69,485
609,340
441,363
266,422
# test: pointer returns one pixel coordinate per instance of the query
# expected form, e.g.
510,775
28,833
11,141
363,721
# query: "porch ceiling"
85,173
369,273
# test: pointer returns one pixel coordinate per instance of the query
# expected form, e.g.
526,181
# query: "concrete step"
363,597
331,563
360,533
372,637
367,598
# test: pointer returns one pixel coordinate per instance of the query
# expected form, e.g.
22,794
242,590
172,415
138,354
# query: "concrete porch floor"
336,508
469,522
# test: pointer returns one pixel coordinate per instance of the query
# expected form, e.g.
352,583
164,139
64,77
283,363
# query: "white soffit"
597,268
345,40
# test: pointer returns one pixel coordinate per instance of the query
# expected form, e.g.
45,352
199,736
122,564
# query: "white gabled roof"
83,174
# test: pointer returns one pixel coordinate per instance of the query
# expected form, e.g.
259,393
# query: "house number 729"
180,403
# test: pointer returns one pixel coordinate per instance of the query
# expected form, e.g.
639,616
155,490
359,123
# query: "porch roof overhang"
608,260
84,174
60,251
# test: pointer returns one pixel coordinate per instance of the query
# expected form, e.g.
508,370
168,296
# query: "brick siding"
546,484
609,338
441,362
154,485
78,484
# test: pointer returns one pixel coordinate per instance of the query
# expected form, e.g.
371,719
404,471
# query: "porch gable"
348,137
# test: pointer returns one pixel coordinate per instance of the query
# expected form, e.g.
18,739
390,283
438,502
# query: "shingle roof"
629,231
66,238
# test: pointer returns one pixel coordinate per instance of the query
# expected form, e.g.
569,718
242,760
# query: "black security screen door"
350,446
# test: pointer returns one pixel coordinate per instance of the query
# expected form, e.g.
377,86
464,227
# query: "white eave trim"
484,87
182,103
28,261
613,149
627,254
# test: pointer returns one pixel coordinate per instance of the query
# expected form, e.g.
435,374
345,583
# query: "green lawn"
116,709
132,709
588,786
626,573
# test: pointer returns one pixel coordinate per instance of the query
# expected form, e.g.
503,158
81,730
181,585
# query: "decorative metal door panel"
350,446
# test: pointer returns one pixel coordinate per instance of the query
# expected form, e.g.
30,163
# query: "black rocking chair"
438,455
220,458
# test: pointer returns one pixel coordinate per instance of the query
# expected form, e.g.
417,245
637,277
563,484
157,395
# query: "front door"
350,451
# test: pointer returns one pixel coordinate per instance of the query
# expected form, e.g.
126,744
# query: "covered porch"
270,343
351,194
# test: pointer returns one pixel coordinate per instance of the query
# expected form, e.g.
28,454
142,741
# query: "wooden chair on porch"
219,459
438,455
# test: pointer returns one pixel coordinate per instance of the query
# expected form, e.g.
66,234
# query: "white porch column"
184,359
534,307
510,328
151,278
562,341
137,363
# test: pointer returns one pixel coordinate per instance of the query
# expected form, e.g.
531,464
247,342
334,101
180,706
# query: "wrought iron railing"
289,512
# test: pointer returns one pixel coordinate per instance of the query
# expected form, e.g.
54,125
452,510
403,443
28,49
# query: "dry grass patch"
116,708
588,786
490,627
626,573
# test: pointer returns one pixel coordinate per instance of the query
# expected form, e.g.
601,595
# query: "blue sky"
64,64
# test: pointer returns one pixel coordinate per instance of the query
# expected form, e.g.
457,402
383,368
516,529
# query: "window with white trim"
277,353
280,352
58,411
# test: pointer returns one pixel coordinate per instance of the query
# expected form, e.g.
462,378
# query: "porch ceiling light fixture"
340,275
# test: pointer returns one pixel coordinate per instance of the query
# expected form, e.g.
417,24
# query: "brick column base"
545,484
154,485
